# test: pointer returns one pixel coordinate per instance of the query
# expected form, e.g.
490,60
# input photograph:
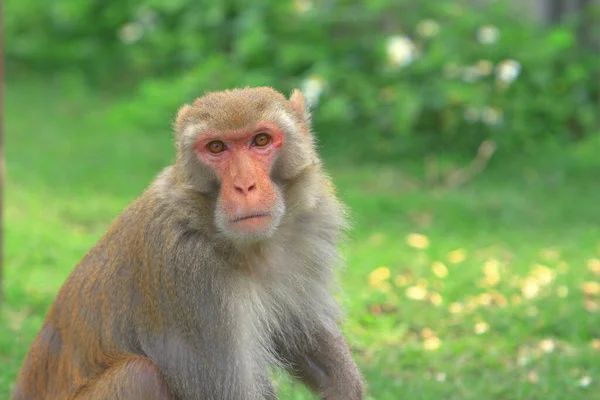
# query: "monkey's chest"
278,310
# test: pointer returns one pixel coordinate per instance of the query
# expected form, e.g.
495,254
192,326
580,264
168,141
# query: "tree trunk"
1,151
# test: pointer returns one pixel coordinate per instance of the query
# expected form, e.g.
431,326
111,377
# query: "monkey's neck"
249,255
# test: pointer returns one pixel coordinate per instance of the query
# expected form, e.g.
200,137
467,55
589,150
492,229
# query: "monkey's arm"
327,367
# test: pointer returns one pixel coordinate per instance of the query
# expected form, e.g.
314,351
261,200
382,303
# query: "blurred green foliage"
391,77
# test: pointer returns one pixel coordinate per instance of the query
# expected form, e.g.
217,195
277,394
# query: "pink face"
242,160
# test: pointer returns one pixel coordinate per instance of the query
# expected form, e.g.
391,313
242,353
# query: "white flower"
491,116
473,73
147,17
428,28
547,345
470,74
471,114
488,34
401,50
585,381
440,377
131,33
508,70
302,6
484,67
312,88
451,70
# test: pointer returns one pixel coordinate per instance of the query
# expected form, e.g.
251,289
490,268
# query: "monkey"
222,271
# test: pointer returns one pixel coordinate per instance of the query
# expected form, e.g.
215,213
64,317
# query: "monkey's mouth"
250,216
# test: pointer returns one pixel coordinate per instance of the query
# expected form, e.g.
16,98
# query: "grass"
489,291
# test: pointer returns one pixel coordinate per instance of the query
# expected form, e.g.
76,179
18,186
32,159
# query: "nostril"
243,189
238,189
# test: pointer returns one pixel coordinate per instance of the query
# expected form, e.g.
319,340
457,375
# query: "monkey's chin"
252,229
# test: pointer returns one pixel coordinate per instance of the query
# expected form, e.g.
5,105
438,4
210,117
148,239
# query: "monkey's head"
239,148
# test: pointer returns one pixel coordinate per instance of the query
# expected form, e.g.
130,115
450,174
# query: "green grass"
71,169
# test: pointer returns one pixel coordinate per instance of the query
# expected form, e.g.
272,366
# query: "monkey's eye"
216,146
261,140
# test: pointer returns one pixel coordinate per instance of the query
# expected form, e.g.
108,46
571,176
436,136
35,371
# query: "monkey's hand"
328,368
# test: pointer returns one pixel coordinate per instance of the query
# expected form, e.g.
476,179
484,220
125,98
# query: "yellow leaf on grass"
550,254
499,299
591,288
416,292
436,299
432,343
417,241
532,311
376,239
439,269
593,266
427,333
491,267
455,307
378,276
562,267
562,291
533,377
484,299
456,256
491,271
481,328
516,299
543,274
402,280
530,287
590,305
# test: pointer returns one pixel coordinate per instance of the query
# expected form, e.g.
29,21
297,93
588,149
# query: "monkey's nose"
244,188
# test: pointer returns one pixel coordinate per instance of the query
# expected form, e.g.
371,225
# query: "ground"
487,291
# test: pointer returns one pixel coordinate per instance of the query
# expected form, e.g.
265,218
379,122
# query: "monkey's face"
249,205
241,147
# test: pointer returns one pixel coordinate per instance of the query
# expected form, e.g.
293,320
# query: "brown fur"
166,306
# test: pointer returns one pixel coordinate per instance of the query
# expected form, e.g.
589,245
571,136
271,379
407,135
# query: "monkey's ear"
182,118
300,106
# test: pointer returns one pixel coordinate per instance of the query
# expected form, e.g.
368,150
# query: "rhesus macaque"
218,273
